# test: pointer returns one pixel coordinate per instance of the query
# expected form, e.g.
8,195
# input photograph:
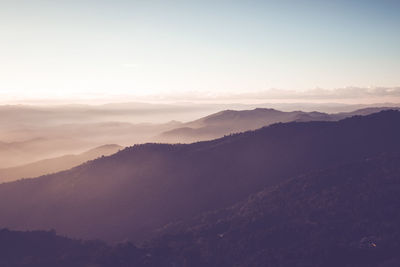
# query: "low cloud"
317,94
350,95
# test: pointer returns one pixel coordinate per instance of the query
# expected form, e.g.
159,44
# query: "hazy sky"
91,48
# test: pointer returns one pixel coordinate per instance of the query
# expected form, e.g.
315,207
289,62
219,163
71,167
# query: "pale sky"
94,48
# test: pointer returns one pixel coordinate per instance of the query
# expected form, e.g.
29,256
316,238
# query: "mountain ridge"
144,187
232,121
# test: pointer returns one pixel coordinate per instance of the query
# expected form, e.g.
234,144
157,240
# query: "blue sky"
99,47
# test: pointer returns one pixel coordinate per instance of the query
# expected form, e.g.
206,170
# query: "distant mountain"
233,121
361,112
32,133
12,153
132,193
43,142
343,216
53,165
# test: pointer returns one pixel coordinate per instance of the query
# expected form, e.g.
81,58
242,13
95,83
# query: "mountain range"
30,134
234,121
133,193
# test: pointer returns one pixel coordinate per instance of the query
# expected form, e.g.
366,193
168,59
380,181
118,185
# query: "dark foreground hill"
46,249
344,216
128,195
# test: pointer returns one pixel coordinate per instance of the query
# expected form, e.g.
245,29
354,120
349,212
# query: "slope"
53,165
343,216
234,121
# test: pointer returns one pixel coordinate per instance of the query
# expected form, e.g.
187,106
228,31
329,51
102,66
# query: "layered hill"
30,134
233,121
57,164
342,216
134,192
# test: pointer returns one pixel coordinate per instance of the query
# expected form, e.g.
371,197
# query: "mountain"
132,193
55,164
234,121
12,153
361,112
32,133
43,142
343,216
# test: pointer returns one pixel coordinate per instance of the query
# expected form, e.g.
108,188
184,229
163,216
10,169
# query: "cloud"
354,92
349,95
344,95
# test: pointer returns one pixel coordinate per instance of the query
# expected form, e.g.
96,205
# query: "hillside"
53,165
344,216
21,152
233,121
132,193
46,249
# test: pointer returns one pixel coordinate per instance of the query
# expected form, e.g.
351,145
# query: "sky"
120,49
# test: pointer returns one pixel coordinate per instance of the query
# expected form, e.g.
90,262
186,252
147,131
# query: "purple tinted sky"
86,48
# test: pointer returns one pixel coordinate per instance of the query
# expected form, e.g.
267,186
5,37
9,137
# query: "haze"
192,133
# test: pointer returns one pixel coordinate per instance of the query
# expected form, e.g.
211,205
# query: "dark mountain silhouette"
53,165
46,249
131,193
345,216
234,121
